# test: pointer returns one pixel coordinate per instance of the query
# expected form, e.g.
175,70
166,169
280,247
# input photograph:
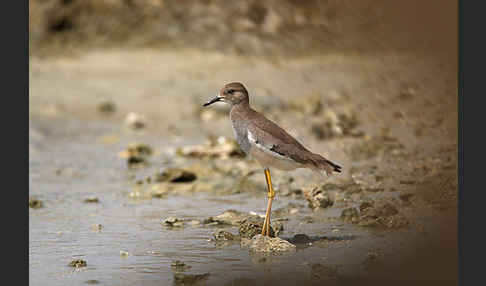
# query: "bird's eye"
230,91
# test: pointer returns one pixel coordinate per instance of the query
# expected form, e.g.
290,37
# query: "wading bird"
267,142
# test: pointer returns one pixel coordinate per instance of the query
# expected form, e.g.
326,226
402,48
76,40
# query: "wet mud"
173,201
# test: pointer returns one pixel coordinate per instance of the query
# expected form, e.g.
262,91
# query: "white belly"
268,158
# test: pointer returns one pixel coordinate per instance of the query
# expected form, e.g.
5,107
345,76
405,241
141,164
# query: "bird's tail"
320,163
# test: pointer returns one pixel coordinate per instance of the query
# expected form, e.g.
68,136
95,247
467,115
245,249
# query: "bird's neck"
241,107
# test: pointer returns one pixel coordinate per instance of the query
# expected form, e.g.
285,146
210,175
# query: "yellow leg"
271,195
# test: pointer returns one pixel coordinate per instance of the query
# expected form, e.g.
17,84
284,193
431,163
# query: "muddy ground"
104,210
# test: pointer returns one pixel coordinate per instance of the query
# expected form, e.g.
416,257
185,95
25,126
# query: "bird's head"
232,93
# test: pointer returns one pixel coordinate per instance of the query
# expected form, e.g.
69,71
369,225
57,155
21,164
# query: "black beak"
216,99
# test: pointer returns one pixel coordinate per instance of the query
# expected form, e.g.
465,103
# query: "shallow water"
65,168
73,155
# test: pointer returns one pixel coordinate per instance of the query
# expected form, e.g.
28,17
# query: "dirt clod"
35,203
318,198
260,243
97,227
91,200
229,217
77,263
107,107
222,235
253,226
136,154
172,222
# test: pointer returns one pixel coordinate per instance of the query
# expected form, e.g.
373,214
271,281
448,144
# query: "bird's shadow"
302,241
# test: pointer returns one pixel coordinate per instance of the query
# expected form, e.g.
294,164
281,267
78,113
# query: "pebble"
124,253
35,203
135,120
91,200
222,235
77,263
260,243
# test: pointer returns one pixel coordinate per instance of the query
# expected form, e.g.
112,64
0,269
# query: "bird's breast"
241,137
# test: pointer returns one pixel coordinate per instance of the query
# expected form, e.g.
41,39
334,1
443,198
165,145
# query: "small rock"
77,263
172,222
124,253
96,227
141,149
318,198
136,153
229,217
91,200
189,279
106,107
175,175
260,243
221,235
252,226
135,121
136,149
135,160
35,203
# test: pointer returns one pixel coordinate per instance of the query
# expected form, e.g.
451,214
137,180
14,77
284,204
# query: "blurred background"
129,173
245,27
